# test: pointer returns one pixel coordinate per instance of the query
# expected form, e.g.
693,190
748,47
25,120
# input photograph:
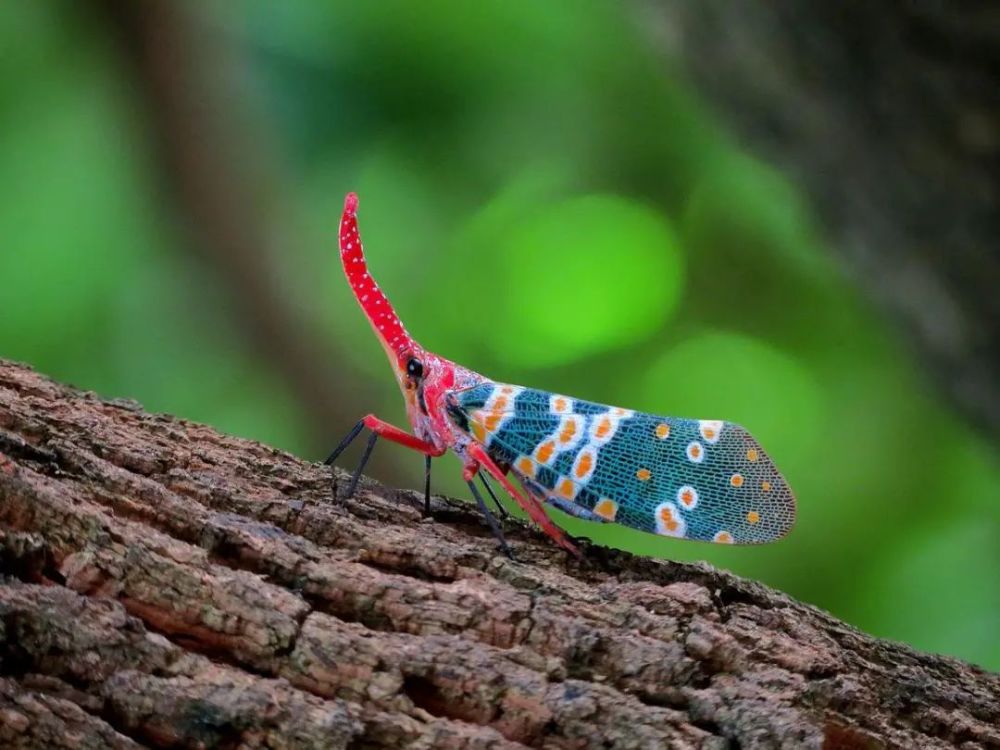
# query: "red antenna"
376,305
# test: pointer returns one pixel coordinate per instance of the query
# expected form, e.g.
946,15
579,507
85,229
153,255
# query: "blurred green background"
543,201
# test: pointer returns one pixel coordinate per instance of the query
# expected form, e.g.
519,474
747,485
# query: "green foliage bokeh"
544,202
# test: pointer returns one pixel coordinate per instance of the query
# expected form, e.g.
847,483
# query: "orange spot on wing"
736,480
478,432
752,455
603,428
492,422
695,450
568,431
724,537
669,522
559,404
753,516
526,466
766,486
584,464
643,474
606,508
567,488
499,405
663,431
687,497
545,451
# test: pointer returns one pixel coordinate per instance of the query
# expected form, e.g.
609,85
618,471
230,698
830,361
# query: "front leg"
389,432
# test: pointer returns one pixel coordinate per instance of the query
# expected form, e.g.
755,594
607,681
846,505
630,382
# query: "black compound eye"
414,368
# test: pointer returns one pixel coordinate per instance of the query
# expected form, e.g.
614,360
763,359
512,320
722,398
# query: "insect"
706,480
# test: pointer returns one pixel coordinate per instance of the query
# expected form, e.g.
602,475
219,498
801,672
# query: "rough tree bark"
168,586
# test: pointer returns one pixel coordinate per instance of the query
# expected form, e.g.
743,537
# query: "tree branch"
166,585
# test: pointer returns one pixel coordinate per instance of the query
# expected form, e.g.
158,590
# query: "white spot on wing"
695,452
687,497
669,521
710,429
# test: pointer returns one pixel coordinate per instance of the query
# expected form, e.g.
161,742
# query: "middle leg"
530,505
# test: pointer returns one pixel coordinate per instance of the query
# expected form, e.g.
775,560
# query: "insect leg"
364,460
531,506
493,496
494,527
348,439
396,435
389,432
427,484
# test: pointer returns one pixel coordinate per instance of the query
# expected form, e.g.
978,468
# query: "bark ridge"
167,586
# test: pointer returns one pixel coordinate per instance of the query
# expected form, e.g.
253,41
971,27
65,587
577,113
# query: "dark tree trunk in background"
888,117
167,586
221,185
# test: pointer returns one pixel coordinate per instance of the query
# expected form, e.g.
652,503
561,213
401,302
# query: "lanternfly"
692,479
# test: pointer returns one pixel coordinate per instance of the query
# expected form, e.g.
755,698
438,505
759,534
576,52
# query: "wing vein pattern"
707,480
